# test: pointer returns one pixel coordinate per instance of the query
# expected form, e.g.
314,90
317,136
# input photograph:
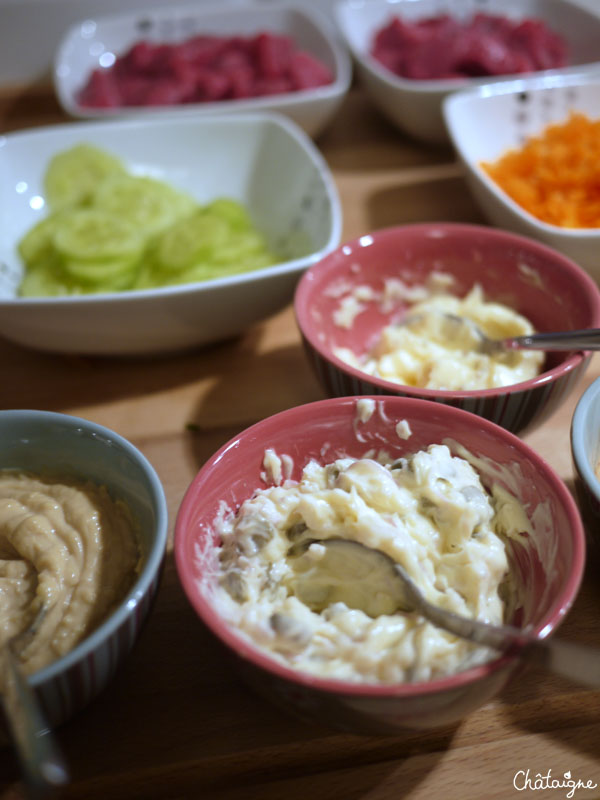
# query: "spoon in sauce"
462,329
343,570
43,766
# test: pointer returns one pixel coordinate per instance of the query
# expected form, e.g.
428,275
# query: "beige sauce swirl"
67,547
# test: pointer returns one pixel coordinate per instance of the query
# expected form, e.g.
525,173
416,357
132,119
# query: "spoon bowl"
335,570
345,560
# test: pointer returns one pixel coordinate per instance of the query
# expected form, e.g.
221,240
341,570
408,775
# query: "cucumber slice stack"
145,202
110,231
217,240
73,175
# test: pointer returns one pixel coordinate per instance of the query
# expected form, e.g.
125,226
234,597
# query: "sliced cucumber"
192,240
38,243
231,212
240,246
73,175
44,280
205,271
147,278
91,235
150,204
113,231
257,261
120,271
209,271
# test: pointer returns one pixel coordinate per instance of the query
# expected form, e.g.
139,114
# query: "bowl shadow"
543,703
86,379
217,418
26,107
424,201
349,146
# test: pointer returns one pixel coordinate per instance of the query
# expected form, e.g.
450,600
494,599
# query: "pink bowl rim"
244,648
303,288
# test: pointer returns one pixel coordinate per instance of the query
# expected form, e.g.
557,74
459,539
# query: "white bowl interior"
486,122
262,160
256,162
415,106
88,42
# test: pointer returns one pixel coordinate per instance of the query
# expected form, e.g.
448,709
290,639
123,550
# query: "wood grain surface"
177,722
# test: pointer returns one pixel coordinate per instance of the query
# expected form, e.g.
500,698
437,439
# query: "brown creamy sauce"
65,546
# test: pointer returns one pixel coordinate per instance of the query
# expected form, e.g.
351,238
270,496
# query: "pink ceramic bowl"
540,283
547,572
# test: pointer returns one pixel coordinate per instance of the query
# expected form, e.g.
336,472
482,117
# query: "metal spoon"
455,327
573,661
43,765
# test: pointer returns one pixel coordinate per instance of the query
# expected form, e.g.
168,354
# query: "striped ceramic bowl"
549,289
546,567
42,441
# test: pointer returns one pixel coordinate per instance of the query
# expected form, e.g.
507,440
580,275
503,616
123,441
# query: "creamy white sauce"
428,512
432,353
403,430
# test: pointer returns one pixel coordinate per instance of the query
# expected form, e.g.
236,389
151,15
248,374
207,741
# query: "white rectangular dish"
262,160
95,42
414,106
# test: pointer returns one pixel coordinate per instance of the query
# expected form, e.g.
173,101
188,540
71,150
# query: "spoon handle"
587,339
44,768
573,661
576,662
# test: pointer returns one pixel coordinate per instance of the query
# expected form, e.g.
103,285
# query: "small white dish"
262,160
486,122
414,106
89,43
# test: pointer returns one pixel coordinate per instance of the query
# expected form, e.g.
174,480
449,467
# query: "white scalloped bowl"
262,160
86,44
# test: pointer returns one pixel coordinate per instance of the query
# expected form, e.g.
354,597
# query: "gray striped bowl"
67,445
537,281
585,454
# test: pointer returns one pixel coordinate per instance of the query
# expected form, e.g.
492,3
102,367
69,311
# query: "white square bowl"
415,106
262,160
87,43
484,123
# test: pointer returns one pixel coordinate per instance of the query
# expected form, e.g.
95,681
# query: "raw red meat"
307,72
273,55
101,91
442,47
204,69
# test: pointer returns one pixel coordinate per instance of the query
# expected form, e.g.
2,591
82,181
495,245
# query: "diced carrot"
555,176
